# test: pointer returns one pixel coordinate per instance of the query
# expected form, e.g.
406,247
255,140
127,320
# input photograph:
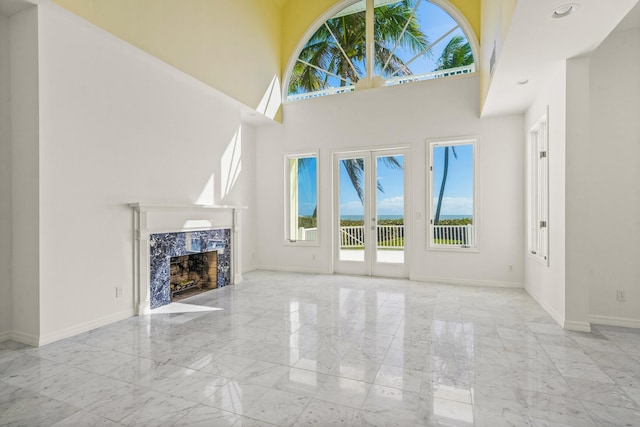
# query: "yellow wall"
299,15
232,45
235,46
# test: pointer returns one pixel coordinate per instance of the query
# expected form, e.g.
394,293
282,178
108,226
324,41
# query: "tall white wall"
579,194
546,283
405,114
613,210
119,126
25,175
5,180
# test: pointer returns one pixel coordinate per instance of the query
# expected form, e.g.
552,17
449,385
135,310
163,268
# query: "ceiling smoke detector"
564,11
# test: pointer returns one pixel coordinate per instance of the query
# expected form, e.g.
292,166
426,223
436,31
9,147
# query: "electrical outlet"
119,292
313,257
621,295
510,267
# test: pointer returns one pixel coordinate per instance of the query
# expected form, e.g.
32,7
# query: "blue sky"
389,202
457,200
307,188
435,22
458,195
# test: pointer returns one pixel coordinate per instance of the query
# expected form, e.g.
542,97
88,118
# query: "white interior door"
370,225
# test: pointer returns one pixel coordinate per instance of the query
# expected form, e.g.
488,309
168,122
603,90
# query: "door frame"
370,267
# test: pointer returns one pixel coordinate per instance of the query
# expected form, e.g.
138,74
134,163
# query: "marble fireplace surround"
169,228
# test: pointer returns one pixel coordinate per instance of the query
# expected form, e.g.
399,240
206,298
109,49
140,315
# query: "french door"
370,221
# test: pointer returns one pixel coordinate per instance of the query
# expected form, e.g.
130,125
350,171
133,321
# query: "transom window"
412,40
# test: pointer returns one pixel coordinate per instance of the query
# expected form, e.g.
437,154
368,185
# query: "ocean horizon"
390,217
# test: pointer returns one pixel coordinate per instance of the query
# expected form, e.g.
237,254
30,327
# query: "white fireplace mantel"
153,219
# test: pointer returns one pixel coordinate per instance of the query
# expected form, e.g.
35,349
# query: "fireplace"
166,232
192,274
171,255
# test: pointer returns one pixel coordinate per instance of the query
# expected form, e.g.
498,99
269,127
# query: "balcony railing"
392,236
453,235
467,69
352,236
308,234
389,236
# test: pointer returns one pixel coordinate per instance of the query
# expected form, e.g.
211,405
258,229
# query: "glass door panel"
370,224
389,246
351,209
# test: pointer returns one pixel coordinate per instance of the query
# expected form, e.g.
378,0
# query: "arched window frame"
455,14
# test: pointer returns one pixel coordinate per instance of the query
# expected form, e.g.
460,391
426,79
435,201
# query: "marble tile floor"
294,349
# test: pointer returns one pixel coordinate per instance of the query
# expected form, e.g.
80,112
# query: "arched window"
413,40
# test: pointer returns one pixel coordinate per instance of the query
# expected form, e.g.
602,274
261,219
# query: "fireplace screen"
193,273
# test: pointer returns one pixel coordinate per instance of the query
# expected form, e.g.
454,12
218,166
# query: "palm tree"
337,49
355,171
455,54
445,171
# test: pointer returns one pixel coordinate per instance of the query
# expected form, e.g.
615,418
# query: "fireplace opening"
192,274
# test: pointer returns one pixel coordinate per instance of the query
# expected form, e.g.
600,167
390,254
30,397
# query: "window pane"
418,40
413,40
333,60
303,199
453,195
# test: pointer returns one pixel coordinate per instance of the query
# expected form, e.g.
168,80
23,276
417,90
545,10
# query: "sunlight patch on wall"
271,100
206,196
231,164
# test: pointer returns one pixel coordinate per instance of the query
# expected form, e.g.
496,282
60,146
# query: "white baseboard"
293,269
83,327
572,325
20,337
615,321
466,282
5,336
546,307
249,269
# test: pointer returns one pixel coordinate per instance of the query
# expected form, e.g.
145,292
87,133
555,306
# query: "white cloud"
351,208
455,205
391,205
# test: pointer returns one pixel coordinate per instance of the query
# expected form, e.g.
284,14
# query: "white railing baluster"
466,69
453,235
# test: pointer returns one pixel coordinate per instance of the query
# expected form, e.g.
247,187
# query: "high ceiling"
535,42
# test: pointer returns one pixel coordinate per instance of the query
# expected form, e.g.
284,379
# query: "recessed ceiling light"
523,82
564,11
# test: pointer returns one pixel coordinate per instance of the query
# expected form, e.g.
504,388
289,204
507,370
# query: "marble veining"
163,246
292,349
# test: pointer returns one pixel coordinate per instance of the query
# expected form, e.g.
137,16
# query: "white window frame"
371,79
475,237
538,190
289,207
